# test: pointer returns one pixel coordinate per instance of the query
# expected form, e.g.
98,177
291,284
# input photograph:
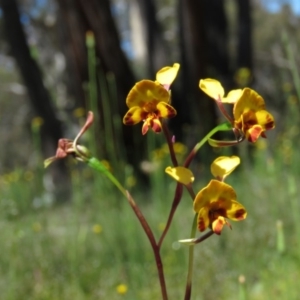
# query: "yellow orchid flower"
149,101
250,116
215,90
214,204
181,174
223,166
250,119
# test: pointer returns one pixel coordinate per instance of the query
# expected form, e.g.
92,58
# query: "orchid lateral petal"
133,116
166,75
233,96
223,166
166,110
212,88
181,174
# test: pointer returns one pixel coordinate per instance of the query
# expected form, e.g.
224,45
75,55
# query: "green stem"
188,287
221,127
292,62
98,166
92,85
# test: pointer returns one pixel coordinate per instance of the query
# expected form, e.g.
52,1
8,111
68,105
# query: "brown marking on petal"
270,124
156,125
128,119
240,214
150,107
201,224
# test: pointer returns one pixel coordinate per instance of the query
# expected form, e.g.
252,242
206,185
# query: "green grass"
53,252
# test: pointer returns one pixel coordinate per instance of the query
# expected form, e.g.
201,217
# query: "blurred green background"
66,233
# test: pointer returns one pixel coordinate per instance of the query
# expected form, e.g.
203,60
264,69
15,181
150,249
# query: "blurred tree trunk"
244,51
78,17
38,94
203,54
157,48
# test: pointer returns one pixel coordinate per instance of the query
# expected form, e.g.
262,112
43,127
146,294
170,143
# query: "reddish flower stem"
176,200
154,245
170,144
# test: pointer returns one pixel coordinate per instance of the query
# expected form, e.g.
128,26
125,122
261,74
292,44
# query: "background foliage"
65,233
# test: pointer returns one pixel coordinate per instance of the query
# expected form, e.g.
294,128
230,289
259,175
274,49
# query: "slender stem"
155,247
191,191
203,237
97,165
188,287
176,200
170,144
198,146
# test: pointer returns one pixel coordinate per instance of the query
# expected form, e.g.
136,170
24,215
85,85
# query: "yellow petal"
166,75
236,211
166,110
212,88
265,119
145,93
223,166
213,192
233,96
133,116
217,225
203,219
250,100
181,174
253,133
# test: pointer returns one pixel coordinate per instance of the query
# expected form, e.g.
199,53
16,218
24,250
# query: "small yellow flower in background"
166,75
178,147
106,164
215,90
243,76
97,228
37,122
181,174
223,166
149,101
215,203
122,289
79,112
36,227
28,175
161,226
130,181
250,115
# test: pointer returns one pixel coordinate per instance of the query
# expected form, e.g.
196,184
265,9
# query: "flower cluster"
149,101
250,118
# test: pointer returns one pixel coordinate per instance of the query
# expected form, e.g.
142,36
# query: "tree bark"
31,74
244,50
78,17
